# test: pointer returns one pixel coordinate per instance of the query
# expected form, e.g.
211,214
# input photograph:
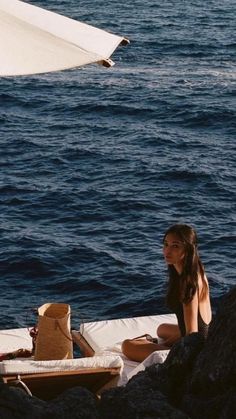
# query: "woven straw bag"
54,339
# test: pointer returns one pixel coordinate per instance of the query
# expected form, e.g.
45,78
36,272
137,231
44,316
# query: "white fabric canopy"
34,40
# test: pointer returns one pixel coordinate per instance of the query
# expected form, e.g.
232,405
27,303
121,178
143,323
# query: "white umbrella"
34,40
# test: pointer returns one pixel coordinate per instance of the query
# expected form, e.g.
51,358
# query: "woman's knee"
162,329
125,345
138,350
129,348
168,330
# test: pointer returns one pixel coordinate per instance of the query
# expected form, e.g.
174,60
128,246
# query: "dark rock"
222,406
75,403
215,368
170,377
211,390
137,402
15,403
157,391
1,382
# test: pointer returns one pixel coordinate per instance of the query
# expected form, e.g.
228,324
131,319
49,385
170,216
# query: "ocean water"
97,163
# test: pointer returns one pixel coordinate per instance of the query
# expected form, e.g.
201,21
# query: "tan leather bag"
53,339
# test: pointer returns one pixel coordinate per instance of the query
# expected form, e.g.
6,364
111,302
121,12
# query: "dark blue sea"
97,163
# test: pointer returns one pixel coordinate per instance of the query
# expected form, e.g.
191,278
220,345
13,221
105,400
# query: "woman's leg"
170,333
139,349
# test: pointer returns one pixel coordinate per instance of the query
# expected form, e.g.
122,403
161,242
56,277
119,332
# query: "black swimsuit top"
202,326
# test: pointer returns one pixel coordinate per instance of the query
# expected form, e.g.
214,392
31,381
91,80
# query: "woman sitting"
187,296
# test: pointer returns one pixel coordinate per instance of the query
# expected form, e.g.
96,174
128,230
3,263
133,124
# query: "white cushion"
106,336
109,334
13,339
29,366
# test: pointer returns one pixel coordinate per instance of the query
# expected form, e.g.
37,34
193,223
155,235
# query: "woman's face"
174,251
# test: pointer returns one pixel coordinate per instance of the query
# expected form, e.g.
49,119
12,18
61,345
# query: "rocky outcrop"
135,402
76,403
211,391
197,381
156,392
16,404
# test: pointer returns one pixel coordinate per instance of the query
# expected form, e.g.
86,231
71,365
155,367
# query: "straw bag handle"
62,331
148,337
33,330
139,337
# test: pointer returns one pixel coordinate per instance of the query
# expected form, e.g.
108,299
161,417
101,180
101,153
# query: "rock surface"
76,403
211,391
138,402
16,404
157,391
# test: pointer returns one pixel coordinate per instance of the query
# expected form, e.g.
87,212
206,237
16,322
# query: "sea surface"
97,163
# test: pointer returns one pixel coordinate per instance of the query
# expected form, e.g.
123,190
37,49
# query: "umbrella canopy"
34,40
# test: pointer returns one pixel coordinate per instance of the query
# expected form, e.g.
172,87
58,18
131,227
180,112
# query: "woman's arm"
191,315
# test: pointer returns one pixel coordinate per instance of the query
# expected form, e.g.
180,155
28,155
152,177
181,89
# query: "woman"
187,296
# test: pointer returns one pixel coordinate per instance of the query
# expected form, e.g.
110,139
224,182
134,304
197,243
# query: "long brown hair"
182,287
